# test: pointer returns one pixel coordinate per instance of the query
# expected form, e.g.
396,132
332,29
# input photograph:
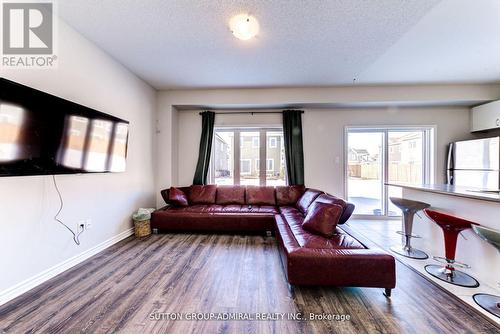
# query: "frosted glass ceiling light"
244,26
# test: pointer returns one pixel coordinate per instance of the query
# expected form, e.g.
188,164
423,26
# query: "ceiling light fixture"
244,26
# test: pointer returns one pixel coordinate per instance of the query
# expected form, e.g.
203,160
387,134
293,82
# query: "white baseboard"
45,275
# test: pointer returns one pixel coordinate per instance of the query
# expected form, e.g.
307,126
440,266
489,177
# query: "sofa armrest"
349,209
163,208
164,194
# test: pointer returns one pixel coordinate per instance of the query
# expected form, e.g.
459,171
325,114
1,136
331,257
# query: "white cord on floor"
76,236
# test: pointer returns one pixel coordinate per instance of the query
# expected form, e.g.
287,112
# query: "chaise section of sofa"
342,260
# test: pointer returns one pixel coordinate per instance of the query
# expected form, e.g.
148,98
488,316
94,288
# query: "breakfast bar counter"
458,191
468,203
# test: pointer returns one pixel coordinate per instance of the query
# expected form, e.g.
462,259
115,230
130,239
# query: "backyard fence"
398,172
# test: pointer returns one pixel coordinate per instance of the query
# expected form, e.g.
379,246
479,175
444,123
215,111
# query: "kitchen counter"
446,189
481,208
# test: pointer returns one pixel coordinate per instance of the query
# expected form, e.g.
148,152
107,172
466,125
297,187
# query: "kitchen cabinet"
485,117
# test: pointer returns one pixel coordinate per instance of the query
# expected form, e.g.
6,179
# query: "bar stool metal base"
457,278
412,253
489,303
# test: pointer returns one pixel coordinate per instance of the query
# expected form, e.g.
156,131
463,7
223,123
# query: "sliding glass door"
365,171
376,156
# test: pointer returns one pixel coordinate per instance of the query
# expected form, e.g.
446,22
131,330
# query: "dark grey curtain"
294,151
207,134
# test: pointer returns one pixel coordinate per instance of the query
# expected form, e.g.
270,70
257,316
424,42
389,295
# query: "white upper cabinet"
485,117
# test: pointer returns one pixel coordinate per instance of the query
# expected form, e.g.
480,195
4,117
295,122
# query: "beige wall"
324,137
31,242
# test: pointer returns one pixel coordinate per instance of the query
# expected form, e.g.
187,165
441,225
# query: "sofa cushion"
244,209
322,218
348,208
306,239
329,199
260,195
225,209
262,209
198,208
202,194
291,213
307,198
177,197
230,195
288,195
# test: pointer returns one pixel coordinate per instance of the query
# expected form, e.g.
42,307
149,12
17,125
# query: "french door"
377,156
248,156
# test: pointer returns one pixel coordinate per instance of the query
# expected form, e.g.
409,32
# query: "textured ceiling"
187,43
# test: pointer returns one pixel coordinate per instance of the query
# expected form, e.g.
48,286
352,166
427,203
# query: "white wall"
30,240
177,139
324,137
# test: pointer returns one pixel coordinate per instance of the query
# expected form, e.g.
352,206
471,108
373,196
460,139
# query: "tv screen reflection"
42,134
94,145
11,130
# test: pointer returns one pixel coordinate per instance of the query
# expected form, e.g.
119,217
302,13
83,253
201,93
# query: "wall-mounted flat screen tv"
41,134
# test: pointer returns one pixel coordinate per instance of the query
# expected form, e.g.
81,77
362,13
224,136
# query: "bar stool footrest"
410,236
452,263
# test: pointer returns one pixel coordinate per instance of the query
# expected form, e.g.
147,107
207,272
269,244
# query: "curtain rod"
248,112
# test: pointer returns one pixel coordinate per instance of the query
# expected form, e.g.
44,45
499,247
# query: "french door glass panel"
223,158
365,181
379,156
236,157
249,153
275,159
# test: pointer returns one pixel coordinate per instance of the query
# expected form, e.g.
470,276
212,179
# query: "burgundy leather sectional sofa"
308,258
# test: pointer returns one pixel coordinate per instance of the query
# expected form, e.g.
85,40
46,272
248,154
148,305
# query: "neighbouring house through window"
238,153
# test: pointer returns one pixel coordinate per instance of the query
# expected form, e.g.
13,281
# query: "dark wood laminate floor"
118,289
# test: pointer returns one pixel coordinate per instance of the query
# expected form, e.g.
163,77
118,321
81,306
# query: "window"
255,142
270,165
273,142
245,166
237,155
383,155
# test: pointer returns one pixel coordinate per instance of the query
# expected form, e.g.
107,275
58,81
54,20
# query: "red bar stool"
490,303
451,227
